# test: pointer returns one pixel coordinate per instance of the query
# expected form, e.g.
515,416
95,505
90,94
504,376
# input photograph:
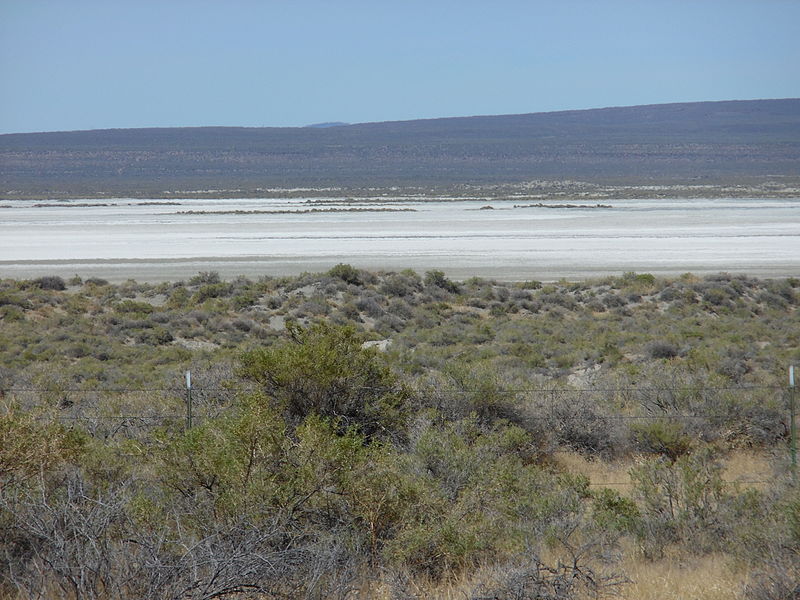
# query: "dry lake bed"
160,240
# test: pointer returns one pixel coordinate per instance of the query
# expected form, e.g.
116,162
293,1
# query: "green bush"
244,300
661,437
205,278
95,281
179,298
613,512
325,371
50,282
685,501
440,280
131,306
211,290
346,273
11,313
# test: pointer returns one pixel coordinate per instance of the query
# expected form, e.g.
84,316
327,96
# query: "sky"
84,64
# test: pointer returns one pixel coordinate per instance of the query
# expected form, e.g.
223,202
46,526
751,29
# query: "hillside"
707,142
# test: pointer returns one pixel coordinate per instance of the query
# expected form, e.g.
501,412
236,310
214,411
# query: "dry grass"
747,468
690,578
600,473
676,578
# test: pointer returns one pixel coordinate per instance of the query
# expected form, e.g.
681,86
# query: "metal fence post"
792,425
188,400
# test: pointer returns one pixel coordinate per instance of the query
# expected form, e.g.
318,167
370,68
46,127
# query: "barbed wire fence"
123,411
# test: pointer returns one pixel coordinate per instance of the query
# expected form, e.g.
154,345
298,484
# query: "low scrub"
316,461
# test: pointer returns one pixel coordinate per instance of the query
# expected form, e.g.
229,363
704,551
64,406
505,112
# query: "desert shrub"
11,313
772,300
644,280
388,324
531,578
492,498
769,539
456,475
497,309
369,305
736,365
198,316
518,294
205,278
661,349
275,302
614,301
596,306
401,284
212,290
614,513
161,317
8,298
323,370
154,337
633,297
95,281
346,273
464,391
93,542
131,306
502,294
179,298
667,438
350,311
32,447
716,296
530,285
50,282
314,306
558,298
669,294
777,580
439,279
685,501
244,300
578,421
400,308
784,289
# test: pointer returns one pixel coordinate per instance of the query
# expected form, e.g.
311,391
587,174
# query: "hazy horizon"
345,124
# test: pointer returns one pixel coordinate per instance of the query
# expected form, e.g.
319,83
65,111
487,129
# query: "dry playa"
147,241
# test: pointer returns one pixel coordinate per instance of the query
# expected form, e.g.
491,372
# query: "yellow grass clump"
690,578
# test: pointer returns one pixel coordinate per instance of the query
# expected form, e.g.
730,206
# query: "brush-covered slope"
706,141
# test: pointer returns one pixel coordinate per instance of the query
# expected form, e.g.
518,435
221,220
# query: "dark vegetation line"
542,205
291,212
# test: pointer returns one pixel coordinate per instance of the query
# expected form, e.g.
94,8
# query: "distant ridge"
701,141
329,124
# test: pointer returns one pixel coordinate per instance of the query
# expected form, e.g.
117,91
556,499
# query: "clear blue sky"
75,64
